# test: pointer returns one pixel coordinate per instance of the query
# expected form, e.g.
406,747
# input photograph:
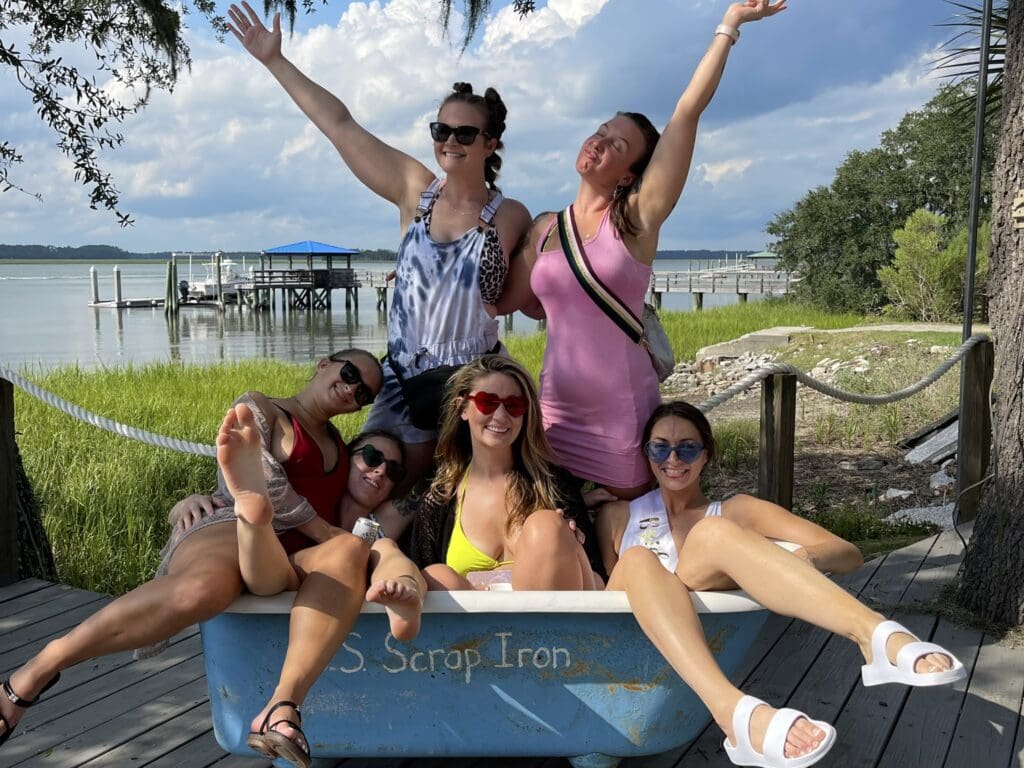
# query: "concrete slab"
755,342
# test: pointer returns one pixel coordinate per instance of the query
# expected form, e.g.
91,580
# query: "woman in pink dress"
598,387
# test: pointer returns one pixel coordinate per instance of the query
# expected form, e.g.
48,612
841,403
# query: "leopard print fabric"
493,266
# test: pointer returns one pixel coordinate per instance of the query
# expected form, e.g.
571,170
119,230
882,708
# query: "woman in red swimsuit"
200,574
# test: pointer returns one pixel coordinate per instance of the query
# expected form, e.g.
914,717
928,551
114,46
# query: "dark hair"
494,112
365,437
624,225
681,409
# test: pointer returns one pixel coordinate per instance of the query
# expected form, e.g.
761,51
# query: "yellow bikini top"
463,557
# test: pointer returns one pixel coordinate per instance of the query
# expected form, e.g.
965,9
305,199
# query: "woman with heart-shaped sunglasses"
493,512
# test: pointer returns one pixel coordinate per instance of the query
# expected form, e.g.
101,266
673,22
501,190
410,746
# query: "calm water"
45,320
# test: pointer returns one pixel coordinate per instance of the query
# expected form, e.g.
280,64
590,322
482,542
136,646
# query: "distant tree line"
843,236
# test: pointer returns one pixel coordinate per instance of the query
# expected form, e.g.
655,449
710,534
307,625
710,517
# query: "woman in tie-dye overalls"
457,229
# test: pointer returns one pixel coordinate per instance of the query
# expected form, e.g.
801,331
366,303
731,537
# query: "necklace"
451,205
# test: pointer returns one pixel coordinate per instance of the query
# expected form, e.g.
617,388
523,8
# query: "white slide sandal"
881,670
774,756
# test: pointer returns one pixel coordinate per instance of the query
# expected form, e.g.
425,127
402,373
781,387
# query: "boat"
491,674
232,277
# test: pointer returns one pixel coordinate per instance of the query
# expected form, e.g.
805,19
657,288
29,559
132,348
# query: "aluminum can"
367,529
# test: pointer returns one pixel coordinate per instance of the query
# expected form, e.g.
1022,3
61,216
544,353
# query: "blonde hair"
531,485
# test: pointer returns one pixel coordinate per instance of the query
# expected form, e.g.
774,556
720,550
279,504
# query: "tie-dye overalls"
437,316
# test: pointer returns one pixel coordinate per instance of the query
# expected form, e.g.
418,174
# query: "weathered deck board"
114,711
987,727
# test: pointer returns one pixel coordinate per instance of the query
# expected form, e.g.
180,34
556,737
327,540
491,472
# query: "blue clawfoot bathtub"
491,674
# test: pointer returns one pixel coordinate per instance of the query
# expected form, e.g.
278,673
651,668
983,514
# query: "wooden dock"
118,712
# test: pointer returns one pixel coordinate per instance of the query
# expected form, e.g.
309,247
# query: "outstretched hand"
264,44
752,10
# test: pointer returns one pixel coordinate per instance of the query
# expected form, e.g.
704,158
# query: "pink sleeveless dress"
597,387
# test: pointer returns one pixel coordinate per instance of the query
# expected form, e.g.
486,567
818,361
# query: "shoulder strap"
601,295
487,214
427,197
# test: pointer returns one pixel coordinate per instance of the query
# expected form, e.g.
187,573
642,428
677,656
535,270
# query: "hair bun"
463,88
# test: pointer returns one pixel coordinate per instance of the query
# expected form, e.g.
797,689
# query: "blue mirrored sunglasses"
687,450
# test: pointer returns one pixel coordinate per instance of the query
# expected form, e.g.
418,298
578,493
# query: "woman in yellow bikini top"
494,468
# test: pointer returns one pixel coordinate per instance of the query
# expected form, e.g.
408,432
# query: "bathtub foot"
594,760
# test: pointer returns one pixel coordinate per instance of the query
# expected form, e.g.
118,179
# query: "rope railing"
198,449
850,397
141,435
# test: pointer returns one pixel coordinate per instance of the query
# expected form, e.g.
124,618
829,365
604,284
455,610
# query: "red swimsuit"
323,490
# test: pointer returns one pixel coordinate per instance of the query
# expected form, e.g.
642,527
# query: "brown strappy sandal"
17,701
271,743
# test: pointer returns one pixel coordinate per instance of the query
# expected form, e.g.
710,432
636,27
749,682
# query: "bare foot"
803,736
930,662
239,457
403,603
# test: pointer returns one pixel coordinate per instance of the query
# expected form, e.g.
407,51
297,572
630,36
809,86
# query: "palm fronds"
960,60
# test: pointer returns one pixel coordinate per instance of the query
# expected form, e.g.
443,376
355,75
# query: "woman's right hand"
192,509
264,44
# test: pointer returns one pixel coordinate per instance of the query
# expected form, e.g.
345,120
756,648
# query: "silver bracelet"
731,32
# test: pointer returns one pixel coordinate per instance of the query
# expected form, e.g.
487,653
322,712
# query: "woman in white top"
673,540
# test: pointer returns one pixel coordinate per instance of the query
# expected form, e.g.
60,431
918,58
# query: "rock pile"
711,375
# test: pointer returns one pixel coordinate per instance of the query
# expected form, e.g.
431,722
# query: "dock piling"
94,280
118,298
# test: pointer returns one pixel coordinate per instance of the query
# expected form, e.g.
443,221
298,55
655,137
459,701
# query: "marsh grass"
896,360
104,497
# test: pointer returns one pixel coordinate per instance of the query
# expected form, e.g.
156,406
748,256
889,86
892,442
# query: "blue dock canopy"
311,247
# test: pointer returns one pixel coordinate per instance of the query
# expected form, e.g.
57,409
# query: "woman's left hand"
580,536
752,10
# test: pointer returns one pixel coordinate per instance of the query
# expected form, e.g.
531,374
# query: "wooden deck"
118,712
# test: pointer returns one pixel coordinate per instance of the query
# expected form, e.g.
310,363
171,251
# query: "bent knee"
636,560
545,528
341,551
711,532
203,595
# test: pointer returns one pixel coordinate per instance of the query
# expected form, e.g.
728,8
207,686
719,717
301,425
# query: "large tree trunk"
992,576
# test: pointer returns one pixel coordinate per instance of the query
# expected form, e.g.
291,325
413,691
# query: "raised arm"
390,173
823,549
666,174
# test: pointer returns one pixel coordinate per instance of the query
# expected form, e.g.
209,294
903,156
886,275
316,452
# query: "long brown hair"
621,219
531,484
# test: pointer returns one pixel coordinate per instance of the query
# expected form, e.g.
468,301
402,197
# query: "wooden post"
9,548
975,440
118,298
698,301
743,298
656,300
778,438
94,281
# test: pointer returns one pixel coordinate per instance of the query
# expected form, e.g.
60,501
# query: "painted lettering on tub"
498,651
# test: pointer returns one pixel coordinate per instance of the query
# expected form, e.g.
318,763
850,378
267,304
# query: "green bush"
926,278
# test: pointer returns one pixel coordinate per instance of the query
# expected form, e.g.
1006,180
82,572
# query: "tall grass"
105,498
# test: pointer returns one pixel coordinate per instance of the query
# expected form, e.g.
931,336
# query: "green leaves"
838,237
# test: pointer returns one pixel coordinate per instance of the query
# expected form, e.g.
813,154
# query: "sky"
227,162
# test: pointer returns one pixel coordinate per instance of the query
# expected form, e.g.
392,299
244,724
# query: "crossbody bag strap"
576,255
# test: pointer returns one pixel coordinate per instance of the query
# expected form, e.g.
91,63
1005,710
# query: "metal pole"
979,146
972,242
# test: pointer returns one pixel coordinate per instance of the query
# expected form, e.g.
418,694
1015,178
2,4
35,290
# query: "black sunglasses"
351,376
374,458
464,134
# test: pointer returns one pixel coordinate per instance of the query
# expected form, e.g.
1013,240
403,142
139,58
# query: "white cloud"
228,161
715,172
